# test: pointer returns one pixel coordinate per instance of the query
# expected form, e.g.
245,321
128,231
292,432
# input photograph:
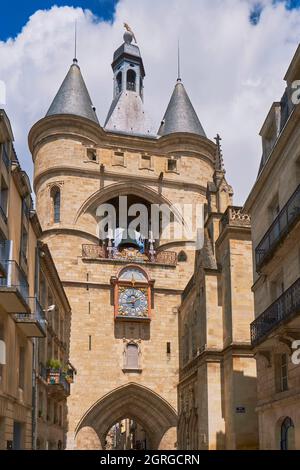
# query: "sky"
234,55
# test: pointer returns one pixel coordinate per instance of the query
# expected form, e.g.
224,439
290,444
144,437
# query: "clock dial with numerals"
133,302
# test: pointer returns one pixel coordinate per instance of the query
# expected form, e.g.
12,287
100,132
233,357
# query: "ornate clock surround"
126,280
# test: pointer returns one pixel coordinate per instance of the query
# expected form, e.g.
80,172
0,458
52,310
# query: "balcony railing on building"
32,324
13,288
129,254
57,384
281,226
283,309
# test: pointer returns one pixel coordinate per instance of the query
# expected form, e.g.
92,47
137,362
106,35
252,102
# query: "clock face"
133,302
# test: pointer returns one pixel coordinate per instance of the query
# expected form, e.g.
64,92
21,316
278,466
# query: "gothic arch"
122,189
132,400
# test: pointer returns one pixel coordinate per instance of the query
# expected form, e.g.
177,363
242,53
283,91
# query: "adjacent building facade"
274,205
23,323
217,378
126,289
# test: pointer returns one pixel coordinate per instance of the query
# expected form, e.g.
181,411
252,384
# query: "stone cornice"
81,128
231,231
111,175
273,158
215,355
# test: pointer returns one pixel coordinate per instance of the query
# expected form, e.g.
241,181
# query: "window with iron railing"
287,305
14,277
281,226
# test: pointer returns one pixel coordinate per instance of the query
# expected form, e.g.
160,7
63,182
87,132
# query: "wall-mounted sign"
240,409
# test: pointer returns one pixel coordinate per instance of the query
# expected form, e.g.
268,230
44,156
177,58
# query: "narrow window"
172,164
283,372
132,356
21,367
119,82
168,348
90,342
55,195
3,199
287,435
24,243
141,88
131,80
2,351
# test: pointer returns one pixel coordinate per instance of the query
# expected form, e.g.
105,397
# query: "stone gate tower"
124,293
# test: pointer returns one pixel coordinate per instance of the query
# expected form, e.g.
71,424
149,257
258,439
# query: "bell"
128,243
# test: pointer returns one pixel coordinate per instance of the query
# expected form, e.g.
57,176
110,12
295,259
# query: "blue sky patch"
14,15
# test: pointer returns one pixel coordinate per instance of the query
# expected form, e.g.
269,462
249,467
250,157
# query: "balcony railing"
33,323
285,307
5,157
94,252
285,220
14,277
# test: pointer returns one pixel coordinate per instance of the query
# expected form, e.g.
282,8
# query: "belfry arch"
134,401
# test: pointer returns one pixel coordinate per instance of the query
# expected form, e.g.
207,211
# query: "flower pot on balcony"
53,376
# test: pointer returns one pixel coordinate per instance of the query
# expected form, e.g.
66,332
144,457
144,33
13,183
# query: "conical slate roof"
73,96
180,115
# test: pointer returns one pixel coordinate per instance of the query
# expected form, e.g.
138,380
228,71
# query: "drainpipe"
35,356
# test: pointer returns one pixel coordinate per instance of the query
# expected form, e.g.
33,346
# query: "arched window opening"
132,356
55,195
182,257
119,82
141,88
287,435
131,80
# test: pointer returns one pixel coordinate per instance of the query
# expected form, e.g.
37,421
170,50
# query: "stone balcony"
128,255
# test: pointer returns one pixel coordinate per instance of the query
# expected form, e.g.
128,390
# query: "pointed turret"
126,113
73,96
180,115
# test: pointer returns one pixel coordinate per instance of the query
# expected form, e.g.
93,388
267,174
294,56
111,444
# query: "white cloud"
231,69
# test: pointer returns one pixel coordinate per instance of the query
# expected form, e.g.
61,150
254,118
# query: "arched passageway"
137,403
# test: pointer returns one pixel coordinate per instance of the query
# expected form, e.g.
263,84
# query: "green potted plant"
54,369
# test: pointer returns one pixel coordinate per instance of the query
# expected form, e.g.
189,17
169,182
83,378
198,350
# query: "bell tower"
125,294
127,113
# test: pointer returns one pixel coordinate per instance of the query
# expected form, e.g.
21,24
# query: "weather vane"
127,27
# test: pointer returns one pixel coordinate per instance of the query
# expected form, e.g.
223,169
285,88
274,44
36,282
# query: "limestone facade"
23,325
217,382
274,207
